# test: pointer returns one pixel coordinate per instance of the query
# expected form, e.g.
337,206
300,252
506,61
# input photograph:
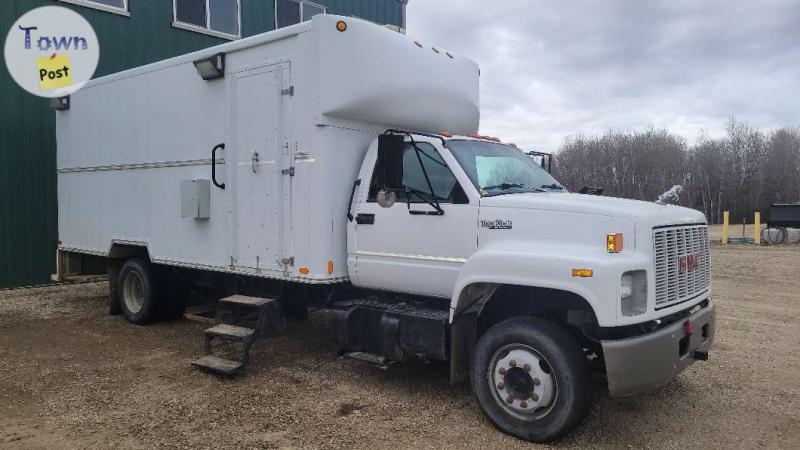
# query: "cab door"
410,246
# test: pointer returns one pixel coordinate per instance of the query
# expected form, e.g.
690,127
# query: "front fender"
550,265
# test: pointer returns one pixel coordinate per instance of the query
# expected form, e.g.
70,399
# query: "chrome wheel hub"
133,292
523,381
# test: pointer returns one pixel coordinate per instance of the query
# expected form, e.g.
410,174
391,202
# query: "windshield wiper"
553,186
508,186
505,186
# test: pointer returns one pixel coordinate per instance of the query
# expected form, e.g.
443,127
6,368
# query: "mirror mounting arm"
433,202
414,212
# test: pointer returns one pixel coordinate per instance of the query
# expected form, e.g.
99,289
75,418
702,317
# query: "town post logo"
51,51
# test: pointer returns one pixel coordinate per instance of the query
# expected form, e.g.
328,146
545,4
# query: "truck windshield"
497,169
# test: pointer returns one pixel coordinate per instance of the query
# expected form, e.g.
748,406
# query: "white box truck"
335,164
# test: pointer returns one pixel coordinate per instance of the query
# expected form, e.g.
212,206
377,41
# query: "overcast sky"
555,68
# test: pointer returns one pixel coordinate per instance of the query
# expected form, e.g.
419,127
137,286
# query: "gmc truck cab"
542,285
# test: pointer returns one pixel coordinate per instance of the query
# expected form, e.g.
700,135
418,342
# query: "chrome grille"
670,245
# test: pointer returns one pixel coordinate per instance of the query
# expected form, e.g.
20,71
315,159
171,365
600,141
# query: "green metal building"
131,33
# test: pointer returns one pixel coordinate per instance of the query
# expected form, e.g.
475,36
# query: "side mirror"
386,198
546,162
389,170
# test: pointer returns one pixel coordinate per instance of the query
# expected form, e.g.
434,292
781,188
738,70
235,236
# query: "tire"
541,369
136,287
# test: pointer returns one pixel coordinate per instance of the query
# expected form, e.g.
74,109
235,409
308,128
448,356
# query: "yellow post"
757,228
725,217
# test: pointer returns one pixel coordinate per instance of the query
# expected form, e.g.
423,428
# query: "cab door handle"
365,219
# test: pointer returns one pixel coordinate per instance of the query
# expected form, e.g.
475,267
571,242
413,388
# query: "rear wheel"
136,289
531,379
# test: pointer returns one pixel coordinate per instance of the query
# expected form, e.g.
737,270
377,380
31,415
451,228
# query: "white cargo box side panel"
326,160
378,76
130,139
328,165
166,114
124,147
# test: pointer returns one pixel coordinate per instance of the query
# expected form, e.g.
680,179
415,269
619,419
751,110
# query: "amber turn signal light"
583,273
614,243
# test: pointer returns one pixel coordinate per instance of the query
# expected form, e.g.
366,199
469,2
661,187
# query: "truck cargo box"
289,124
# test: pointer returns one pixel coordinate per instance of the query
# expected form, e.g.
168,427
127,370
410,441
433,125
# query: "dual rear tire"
147,293
531,379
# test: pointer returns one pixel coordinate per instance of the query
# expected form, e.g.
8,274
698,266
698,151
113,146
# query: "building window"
114,6
220,18
290,12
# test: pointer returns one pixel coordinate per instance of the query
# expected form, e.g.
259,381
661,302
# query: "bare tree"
746,170
638,165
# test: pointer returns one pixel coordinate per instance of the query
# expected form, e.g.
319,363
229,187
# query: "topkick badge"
51,51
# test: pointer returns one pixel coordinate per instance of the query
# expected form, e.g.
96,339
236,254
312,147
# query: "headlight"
633,293
626,288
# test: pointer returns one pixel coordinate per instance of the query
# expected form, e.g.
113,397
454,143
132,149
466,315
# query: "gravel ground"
74,377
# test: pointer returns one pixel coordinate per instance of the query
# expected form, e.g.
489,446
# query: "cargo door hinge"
288,91
289,171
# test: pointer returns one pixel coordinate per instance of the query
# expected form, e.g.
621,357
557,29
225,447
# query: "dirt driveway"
72,376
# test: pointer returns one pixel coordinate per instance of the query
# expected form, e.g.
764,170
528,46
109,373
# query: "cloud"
550,69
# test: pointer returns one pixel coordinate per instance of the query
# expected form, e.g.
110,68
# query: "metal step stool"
240,321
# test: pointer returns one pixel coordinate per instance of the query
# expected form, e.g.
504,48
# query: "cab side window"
445,186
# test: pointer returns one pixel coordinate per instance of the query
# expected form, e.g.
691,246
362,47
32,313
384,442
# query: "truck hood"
647,213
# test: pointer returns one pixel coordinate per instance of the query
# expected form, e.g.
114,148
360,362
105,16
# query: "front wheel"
531,379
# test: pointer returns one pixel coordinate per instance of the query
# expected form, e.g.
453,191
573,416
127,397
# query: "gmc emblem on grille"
688,263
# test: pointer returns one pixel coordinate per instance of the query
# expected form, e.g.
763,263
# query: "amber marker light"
341,26
330,267
304,270
614,243
583,273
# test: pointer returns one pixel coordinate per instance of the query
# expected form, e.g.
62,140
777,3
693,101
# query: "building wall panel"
28,203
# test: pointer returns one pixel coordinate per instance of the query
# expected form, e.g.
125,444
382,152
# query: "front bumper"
643,363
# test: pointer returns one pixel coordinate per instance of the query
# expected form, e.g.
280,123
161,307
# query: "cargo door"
261,186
